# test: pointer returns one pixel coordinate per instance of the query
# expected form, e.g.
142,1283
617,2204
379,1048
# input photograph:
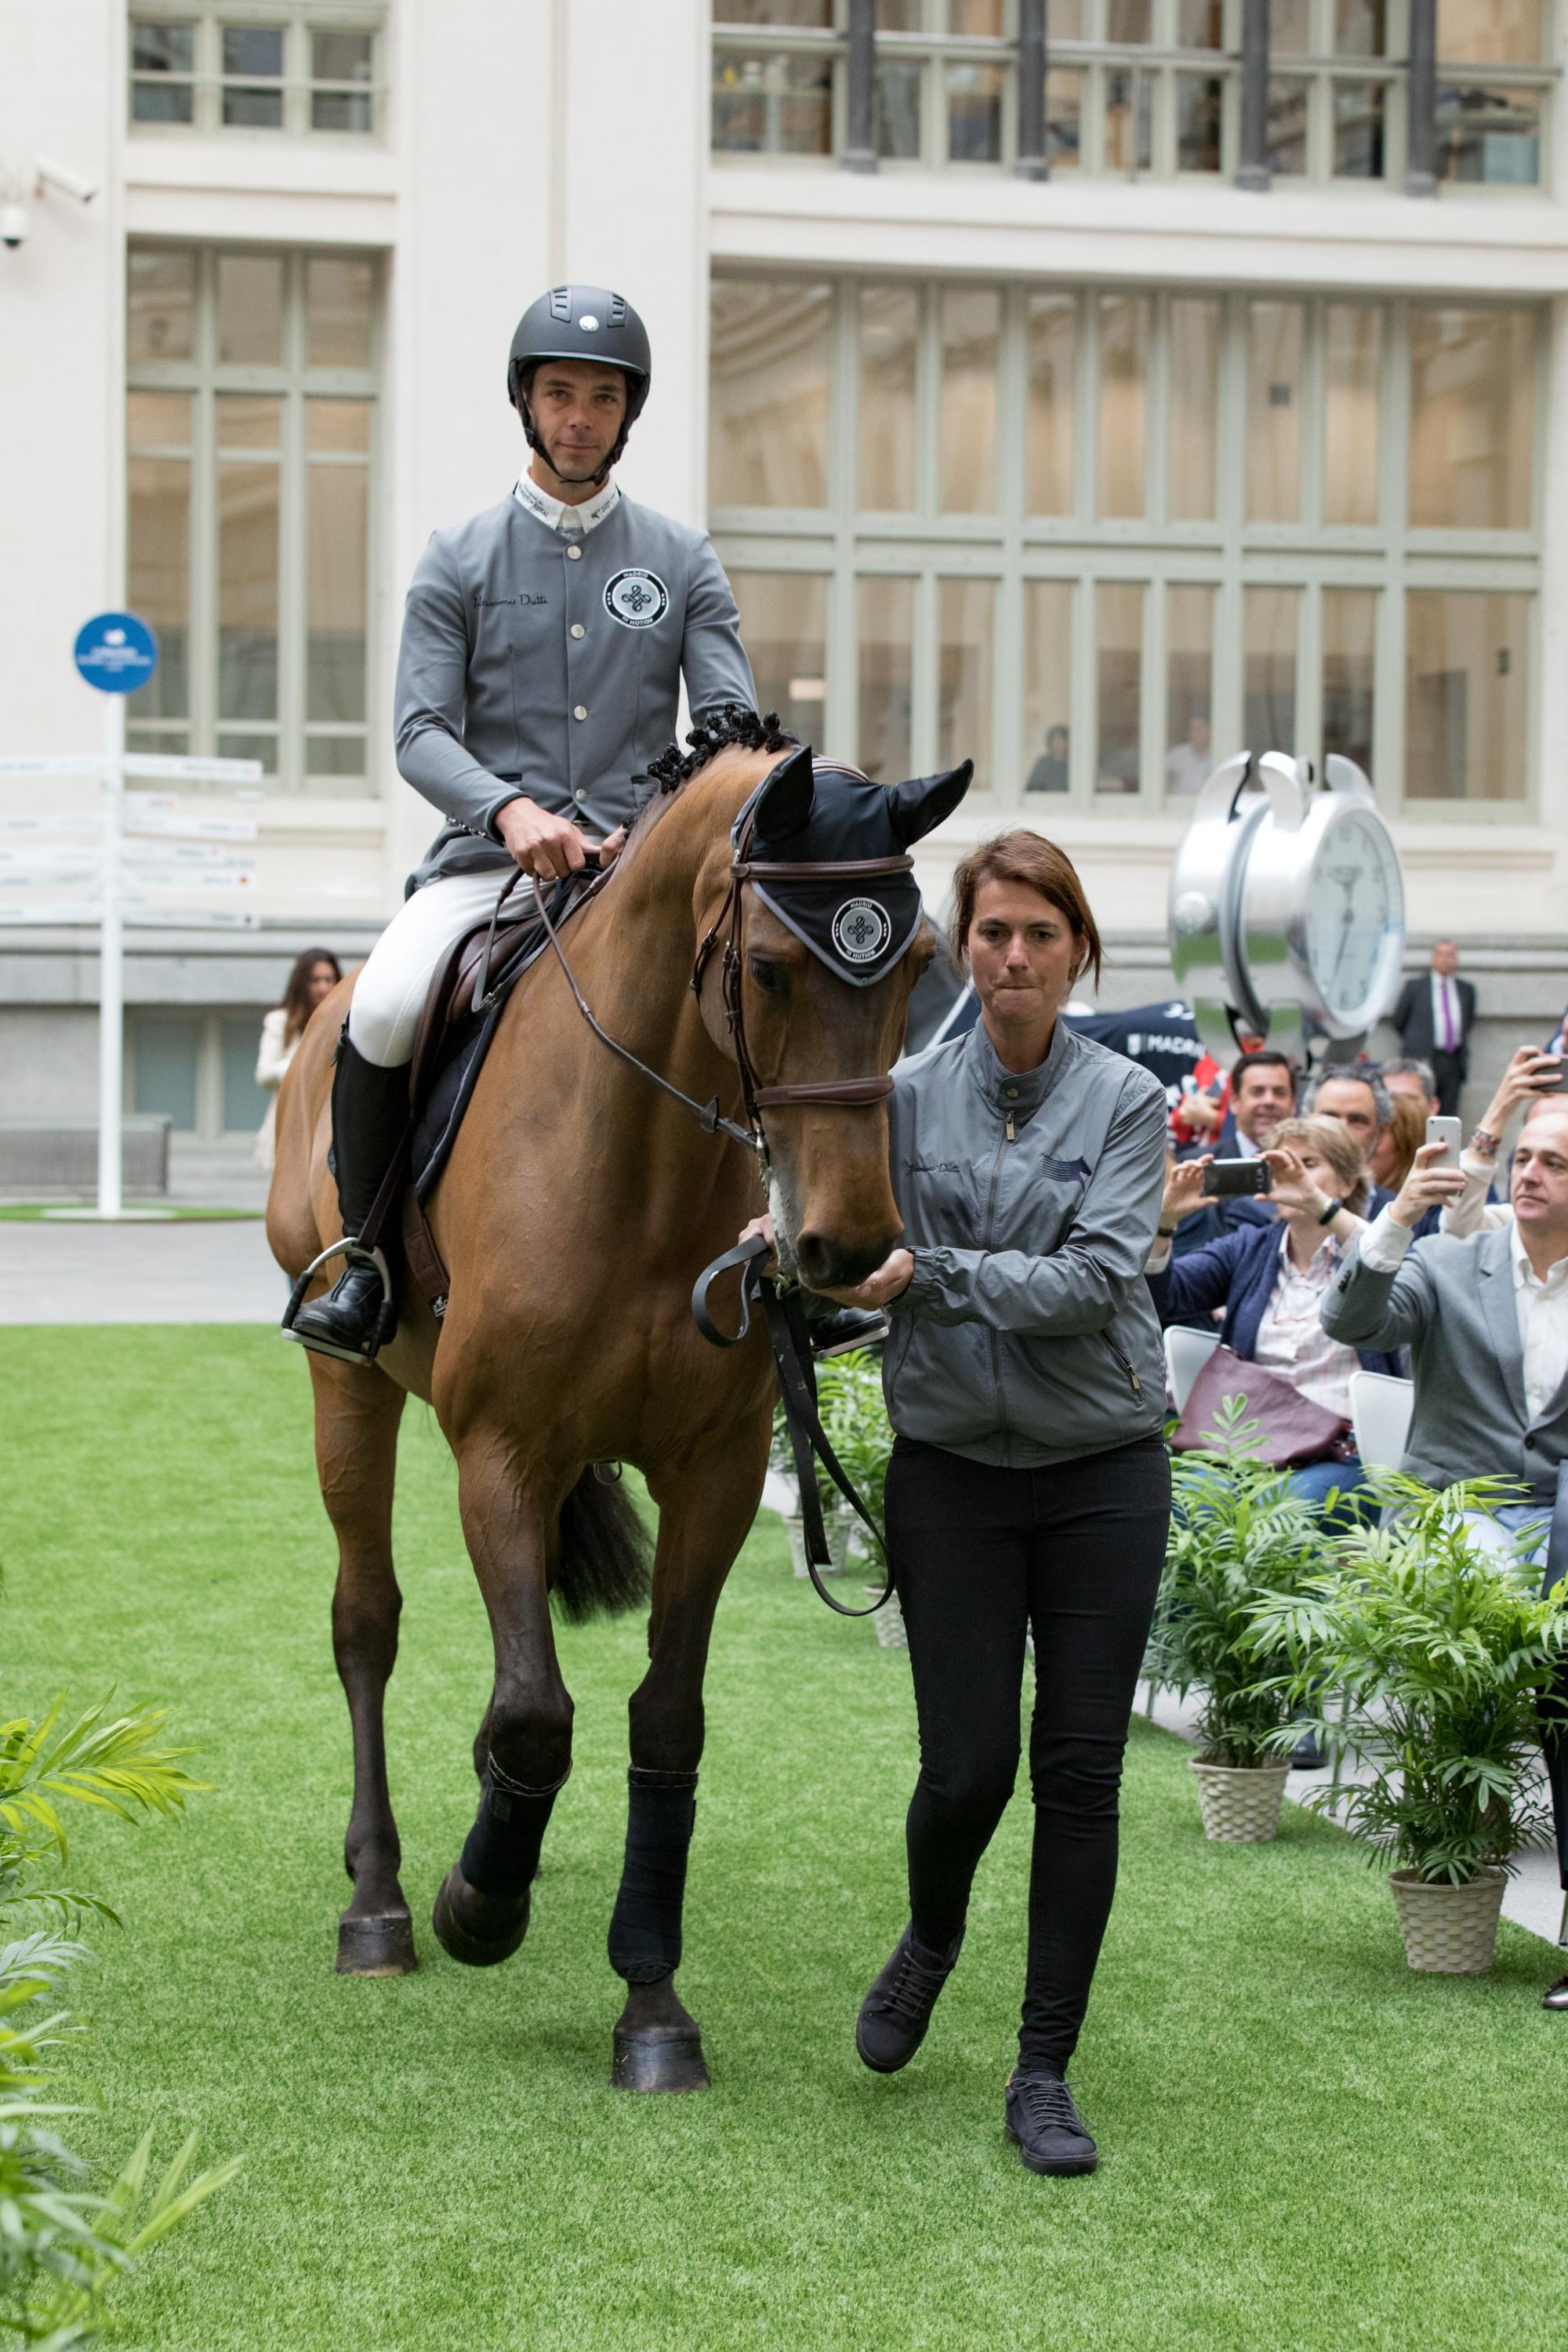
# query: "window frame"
1228,554
298,85
204,378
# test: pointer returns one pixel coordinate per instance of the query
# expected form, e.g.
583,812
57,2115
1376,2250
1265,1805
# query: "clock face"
1355,916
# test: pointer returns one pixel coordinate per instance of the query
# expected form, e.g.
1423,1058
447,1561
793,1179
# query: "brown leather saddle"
462,1010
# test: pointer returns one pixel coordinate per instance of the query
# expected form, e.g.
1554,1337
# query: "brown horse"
579,1202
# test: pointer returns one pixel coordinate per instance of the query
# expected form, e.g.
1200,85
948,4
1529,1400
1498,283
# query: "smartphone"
1446,1131
1230,1180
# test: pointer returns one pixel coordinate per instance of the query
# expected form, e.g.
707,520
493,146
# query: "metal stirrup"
386,1322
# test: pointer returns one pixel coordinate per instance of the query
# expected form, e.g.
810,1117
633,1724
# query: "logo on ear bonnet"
861,929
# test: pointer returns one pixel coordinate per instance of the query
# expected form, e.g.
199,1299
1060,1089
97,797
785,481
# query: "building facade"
1089,391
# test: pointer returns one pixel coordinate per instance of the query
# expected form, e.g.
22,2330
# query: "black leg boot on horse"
657,2044
370,1122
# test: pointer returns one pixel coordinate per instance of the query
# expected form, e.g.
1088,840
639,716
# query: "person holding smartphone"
1270,1279
1530,1079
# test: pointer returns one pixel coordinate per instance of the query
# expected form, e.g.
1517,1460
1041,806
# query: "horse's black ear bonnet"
812,811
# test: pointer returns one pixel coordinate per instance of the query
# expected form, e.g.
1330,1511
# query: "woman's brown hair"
1332,1140
296,1005
1030,858
1408,1127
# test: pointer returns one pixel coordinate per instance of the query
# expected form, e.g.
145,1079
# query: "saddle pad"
454,1037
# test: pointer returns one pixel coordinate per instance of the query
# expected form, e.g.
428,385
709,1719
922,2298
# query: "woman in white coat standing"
315,975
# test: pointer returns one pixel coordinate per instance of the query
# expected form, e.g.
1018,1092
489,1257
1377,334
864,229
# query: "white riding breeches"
389,994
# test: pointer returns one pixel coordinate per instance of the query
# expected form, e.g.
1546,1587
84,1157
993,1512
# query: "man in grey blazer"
543,646
1485,1320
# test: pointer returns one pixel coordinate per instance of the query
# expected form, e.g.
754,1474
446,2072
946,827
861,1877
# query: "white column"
110,965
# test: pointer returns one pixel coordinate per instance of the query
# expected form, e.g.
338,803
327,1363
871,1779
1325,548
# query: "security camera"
68,182
13,225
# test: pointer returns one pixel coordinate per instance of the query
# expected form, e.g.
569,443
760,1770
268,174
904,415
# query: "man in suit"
1433,1016
1486,1321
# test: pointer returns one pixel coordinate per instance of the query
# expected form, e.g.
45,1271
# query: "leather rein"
850,1094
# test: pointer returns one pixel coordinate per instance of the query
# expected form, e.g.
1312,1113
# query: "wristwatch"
1330,1212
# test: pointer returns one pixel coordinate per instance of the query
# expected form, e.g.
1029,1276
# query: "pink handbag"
1295,1430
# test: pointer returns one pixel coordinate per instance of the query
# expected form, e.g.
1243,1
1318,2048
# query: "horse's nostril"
827,1264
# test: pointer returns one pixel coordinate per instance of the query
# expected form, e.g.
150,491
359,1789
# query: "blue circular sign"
116,653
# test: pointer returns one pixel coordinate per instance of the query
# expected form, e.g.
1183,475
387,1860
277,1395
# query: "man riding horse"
543,646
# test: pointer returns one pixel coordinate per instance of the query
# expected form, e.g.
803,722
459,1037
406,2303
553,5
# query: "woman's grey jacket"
1026,1335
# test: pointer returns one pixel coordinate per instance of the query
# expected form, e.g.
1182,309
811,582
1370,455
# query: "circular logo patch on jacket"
636,599
861,929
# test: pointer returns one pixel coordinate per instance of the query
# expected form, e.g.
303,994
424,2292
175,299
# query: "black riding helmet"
581,322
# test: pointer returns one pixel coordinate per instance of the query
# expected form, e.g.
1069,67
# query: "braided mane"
733,723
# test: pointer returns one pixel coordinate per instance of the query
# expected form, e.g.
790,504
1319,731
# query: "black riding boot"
369,1114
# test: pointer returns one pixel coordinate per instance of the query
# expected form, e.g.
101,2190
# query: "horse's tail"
605,1563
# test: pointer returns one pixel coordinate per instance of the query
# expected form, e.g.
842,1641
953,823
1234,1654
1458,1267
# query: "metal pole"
110,966
1421,101
1032,163
1252,170
860,144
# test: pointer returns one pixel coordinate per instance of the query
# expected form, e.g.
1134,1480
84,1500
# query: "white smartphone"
1447,1133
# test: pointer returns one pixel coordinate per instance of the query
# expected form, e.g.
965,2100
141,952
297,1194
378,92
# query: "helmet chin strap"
576,481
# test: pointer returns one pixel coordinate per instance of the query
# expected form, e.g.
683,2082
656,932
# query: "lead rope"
797,1387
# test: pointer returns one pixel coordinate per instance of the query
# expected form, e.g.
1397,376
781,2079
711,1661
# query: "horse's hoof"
377,1944
478,1929
658,2058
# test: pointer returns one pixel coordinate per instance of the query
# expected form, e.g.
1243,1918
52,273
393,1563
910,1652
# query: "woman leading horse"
578,1203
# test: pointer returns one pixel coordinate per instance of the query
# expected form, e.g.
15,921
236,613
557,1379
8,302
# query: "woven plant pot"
1449,1931
889,1619
839,1526
1240,1802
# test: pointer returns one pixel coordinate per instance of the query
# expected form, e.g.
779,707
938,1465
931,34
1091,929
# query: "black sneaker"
1046,2126
897,2011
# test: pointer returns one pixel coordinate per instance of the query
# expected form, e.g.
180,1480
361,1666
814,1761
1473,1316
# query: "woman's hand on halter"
891,1276
891,1279
764,1226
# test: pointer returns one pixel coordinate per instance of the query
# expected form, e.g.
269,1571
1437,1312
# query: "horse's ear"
917,808
783,804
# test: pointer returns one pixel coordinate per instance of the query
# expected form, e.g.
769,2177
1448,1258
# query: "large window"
1492,82
250,433
300,66
1100,540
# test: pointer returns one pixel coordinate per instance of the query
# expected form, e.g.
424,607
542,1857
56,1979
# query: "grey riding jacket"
551,667
1026,1335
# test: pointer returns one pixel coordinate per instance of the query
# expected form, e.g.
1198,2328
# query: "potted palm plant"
1236,1533
1439,1651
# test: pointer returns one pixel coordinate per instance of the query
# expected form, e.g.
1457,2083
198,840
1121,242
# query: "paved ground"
183,1273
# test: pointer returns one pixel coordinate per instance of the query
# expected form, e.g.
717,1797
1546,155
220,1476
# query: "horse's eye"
770,978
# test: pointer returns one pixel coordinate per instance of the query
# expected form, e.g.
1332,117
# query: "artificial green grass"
1304,2145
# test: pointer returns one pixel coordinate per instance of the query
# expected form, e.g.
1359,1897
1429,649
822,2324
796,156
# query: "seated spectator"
1357,1095
1401,1140
1270,1279
1262,1092
1416,1079
1486,1321
1528,1079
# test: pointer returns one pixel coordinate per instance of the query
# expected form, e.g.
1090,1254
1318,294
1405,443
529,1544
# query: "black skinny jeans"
980,1555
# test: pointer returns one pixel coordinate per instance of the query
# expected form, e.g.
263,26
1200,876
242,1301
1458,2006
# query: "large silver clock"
1287,906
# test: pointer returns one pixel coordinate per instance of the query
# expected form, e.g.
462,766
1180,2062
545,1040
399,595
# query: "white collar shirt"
1542,1326
1291,1339
571,522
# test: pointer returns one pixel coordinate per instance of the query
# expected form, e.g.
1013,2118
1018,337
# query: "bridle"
844,1093
847,1094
